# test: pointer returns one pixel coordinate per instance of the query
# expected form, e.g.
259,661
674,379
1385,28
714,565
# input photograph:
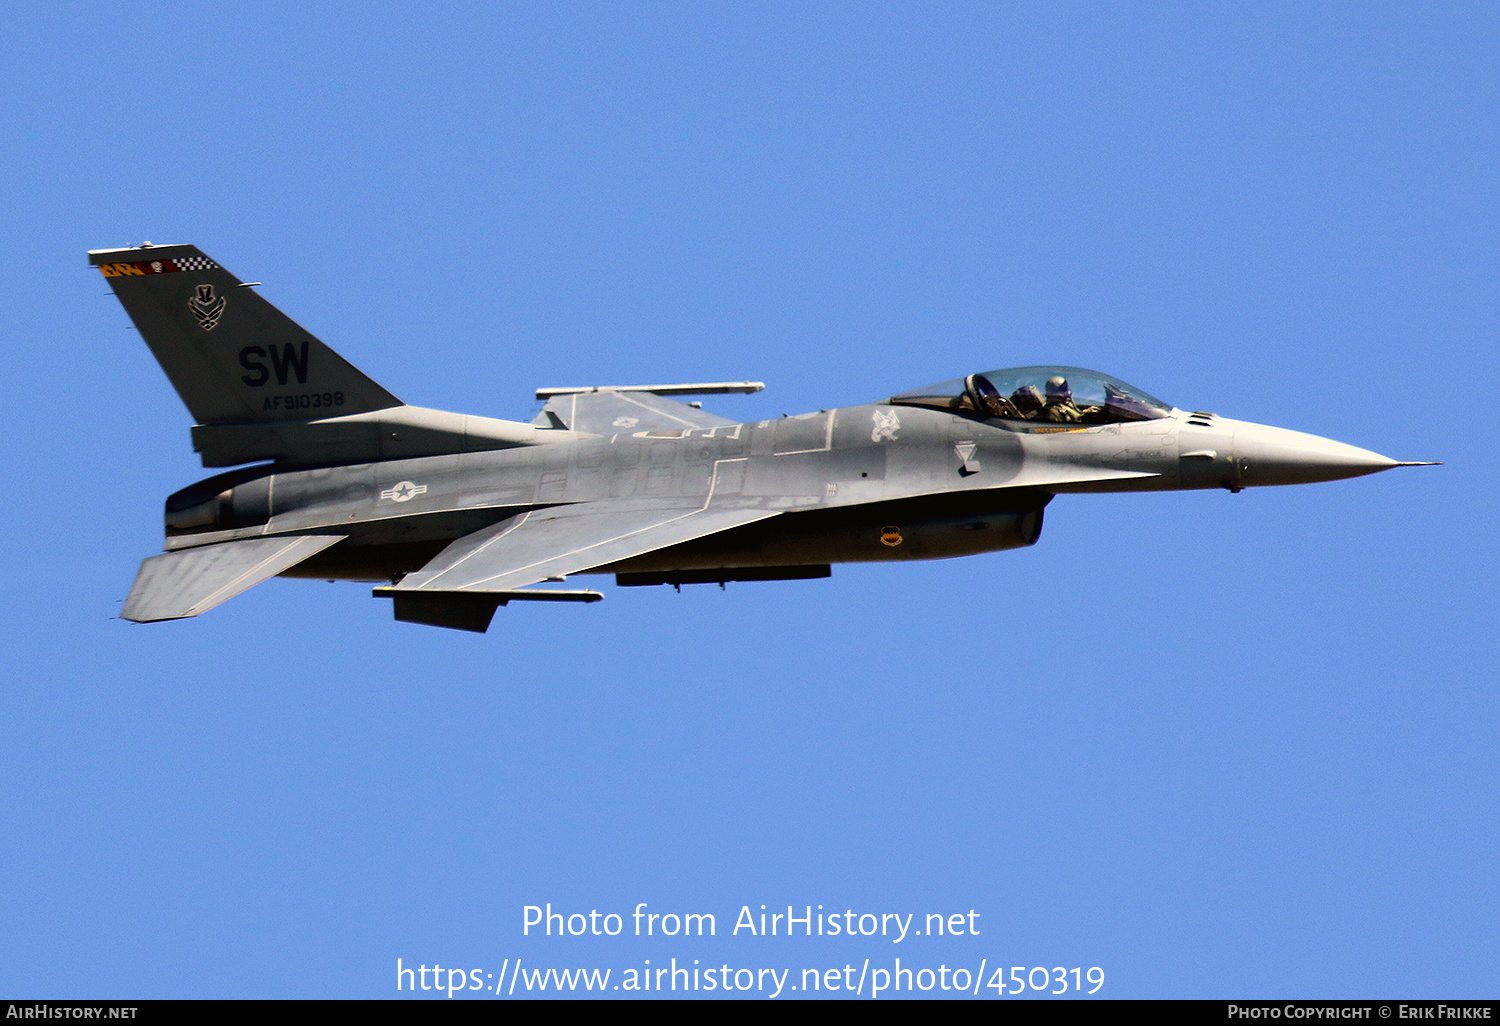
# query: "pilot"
1060,406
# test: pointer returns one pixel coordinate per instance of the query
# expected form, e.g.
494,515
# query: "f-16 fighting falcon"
455,515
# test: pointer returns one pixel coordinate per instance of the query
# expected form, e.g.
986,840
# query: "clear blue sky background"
1216,745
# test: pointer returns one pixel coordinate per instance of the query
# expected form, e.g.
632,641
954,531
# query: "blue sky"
1215,745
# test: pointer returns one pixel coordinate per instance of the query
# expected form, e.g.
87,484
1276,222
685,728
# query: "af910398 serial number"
304,401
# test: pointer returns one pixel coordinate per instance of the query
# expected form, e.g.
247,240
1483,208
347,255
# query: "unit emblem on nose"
886,425
890,536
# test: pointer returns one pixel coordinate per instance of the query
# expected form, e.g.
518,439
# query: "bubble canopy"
1059,395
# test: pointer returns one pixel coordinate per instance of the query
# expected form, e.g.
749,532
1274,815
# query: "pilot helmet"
1057,388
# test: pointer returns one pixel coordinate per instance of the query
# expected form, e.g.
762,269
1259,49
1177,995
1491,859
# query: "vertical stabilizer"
233,357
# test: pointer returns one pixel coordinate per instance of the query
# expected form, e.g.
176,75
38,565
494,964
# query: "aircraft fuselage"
872,483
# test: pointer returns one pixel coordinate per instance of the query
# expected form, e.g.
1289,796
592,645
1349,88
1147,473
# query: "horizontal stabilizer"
192,581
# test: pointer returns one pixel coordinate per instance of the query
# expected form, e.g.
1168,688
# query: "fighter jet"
455,515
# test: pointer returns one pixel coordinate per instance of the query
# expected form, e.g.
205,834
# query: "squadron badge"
207,307
886,425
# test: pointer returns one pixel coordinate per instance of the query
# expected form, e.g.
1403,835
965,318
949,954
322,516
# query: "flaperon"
456,515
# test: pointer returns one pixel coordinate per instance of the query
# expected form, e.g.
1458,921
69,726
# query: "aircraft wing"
624,413
563,540
192,581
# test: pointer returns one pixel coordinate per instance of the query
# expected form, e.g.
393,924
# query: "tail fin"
233,357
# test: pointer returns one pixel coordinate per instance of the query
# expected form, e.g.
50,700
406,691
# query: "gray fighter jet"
456,515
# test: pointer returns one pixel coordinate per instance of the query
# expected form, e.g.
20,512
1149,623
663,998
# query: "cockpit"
1057,395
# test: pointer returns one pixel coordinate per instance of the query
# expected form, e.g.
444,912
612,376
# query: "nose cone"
1275,456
